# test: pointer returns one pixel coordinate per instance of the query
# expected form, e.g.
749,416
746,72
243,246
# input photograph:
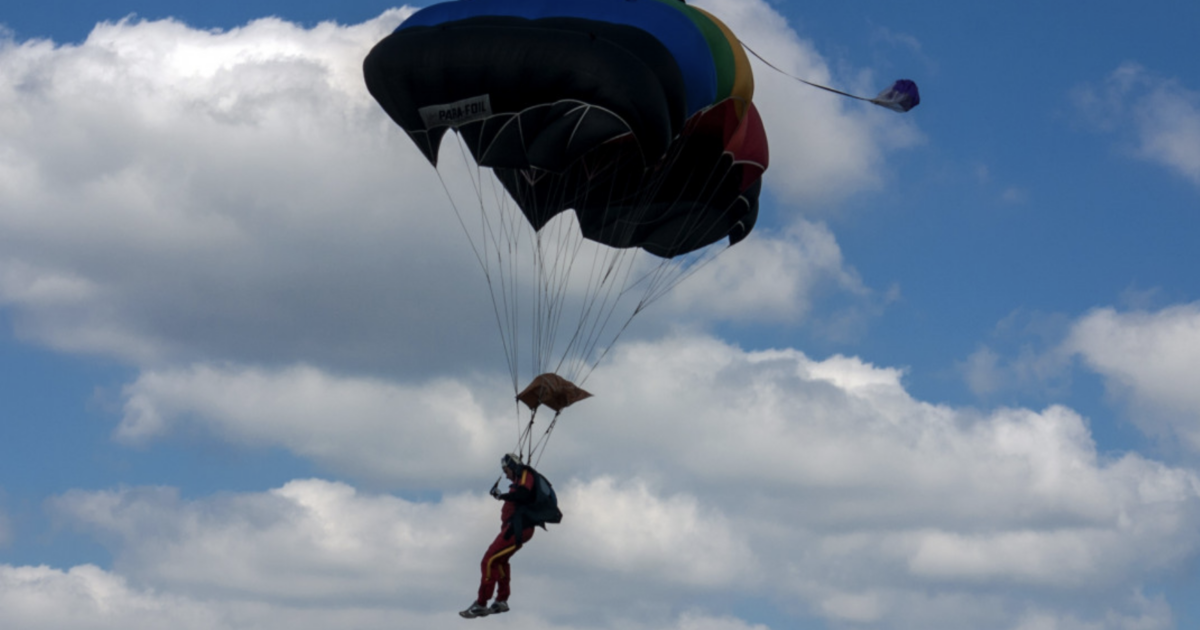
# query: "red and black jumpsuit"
495,569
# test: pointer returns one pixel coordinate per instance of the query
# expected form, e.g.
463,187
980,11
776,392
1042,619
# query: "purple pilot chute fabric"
901,97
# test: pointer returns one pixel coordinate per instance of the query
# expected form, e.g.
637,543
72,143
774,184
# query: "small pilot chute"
901,97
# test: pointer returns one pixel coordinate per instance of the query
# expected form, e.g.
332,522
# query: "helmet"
511,461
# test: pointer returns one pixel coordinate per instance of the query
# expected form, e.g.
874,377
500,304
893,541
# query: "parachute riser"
524,446
530,451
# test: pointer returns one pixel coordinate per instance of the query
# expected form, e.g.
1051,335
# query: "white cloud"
1033,370
363,426
1162,114
22,284
87,598
631,531
701,466
982,371
1150,358
694,621
1146,357
221,193
769,279
1168,122
310,540
1146,614
1024,354
322,546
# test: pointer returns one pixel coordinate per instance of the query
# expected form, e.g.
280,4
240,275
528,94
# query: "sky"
250,375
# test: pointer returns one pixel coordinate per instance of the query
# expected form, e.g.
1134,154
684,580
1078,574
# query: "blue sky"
248,375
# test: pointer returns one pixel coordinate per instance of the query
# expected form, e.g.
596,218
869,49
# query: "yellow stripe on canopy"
743,78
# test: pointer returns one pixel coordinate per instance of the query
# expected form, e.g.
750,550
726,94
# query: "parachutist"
529,502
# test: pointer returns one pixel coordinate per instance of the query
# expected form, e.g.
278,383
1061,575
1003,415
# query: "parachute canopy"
613,108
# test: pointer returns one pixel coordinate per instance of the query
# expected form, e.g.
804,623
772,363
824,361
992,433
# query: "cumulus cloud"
361,426
324,546
1146,355
89,598
772,279
1150,359
306,541
702,466
1161,114
632,531
171,192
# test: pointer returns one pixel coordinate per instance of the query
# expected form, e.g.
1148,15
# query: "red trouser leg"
495,569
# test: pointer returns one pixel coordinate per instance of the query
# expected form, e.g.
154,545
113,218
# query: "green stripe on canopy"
723,59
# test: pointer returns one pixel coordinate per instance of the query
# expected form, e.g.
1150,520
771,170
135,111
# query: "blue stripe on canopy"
670,26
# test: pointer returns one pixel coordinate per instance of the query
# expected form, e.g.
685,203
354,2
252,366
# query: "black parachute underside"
691,199
558,87
582,115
